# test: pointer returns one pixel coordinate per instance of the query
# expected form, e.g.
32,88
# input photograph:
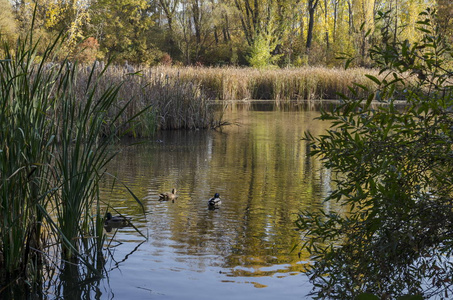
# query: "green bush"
393,180
260,53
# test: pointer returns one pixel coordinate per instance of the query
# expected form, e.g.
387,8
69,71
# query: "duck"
215,201
116,221
168,196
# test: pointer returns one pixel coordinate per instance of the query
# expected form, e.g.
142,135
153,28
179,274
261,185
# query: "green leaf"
423,30
348,62
361,86
369,100
373,78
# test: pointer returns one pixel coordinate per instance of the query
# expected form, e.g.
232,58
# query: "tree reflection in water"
264,175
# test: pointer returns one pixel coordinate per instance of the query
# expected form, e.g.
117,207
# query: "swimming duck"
116,221
215,201
168,196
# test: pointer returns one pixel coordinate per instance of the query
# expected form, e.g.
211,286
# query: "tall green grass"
26,149
55,136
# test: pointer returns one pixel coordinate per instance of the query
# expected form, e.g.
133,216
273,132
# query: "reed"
167,101
308,83
25,151
179,98
55,137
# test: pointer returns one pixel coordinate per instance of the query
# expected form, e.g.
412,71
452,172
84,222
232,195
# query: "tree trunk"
327,26
351,18
196,16
312,4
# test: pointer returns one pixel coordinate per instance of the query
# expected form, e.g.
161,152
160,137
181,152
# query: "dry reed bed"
178,98
308,83
159,100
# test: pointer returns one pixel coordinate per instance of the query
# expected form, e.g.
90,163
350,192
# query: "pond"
260,168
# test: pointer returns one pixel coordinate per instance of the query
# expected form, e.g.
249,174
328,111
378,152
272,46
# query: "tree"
226,31
364,12
260,53
197,28
265,25
393,181
445,18
250,18
122,28
69,17
8,26
168,8
28,11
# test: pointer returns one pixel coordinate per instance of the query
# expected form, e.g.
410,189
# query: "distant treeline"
221,32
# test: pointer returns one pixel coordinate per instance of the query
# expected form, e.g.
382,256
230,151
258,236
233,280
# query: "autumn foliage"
223,32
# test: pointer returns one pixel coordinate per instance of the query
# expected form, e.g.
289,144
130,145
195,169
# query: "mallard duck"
168,196
116,221
215,201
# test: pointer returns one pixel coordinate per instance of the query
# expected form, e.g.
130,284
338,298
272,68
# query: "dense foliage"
52,158
220,32
393,180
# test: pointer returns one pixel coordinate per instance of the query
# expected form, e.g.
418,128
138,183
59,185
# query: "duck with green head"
215,201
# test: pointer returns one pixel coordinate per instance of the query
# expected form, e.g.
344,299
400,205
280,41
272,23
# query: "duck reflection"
116,222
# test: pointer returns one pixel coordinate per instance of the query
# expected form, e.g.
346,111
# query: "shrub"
87,51
393,174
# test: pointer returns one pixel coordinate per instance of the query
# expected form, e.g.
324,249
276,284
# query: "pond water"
242,250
